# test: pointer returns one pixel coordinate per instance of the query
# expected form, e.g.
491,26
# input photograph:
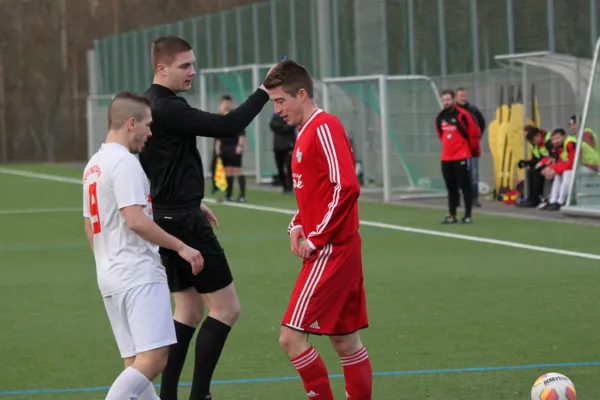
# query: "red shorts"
329,295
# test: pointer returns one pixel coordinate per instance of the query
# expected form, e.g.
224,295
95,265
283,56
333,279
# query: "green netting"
412,145
412,106
357,105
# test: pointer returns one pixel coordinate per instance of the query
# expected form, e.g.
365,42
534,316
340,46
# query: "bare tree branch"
39,117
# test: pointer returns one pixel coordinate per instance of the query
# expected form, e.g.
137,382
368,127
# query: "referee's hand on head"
192,256
262,86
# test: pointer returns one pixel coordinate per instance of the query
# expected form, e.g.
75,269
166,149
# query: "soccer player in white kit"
125,240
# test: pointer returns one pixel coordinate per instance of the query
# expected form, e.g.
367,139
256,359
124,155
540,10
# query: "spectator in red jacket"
560,170
460,137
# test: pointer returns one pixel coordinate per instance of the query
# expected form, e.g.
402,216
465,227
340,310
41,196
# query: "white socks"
149,393
129,386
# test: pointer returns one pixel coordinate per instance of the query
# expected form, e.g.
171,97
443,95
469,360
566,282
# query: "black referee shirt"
170,157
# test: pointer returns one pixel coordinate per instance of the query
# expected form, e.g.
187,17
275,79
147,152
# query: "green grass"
434,302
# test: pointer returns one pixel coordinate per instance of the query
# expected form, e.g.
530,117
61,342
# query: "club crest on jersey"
298,155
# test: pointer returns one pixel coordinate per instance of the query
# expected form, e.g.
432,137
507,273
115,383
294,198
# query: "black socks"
229,192
177,353
242,182
209,345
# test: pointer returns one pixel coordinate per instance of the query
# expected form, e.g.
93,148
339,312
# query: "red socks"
358,375
314,375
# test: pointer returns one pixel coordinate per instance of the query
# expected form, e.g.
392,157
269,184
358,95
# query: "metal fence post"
442,37
292,23
385,157
474,35
412,53
256,32
257,128
593,23
274,42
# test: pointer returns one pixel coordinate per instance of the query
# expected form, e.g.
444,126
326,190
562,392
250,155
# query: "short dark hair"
124,106
226,97
461,89
447,91
292,76
165,48
531,132
559,131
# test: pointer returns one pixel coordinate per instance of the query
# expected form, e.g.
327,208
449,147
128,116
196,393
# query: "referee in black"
172,163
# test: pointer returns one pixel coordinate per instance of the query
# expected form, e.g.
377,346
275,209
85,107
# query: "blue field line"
546,367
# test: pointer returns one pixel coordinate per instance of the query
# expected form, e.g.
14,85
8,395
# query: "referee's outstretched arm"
188,120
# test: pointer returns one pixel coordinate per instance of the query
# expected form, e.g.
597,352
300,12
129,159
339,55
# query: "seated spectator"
561,169
540,147
589,136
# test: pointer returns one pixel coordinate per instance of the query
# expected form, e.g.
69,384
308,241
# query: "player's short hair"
559,131
226,97
166,48
124,106
292,77
461,89
531,132
447,91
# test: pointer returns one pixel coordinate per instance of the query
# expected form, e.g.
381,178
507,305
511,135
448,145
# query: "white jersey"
114,179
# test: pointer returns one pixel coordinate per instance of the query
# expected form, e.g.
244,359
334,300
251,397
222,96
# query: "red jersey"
566,157
459,133
325,182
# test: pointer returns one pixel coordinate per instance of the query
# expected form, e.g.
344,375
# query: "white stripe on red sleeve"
294,223
326,141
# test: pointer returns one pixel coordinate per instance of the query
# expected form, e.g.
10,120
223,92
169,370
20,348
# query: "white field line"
381,225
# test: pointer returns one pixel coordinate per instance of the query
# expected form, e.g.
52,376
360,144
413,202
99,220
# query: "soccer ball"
484,188
553,386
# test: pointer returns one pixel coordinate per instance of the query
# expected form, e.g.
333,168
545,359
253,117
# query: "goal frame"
382,81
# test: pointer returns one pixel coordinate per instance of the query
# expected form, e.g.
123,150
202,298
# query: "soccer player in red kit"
329,296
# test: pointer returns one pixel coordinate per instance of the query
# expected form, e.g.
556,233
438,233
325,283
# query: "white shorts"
141,318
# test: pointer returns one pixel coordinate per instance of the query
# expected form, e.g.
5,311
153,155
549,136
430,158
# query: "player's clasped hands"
192,256
301,249
305,250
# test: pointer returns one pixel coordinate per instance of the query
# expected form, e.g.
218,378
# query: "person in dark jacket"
284,138
462,100
460,136
540,147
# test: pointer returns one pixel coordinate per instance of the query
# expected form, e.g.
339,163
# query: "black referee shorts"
230,159
192,227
